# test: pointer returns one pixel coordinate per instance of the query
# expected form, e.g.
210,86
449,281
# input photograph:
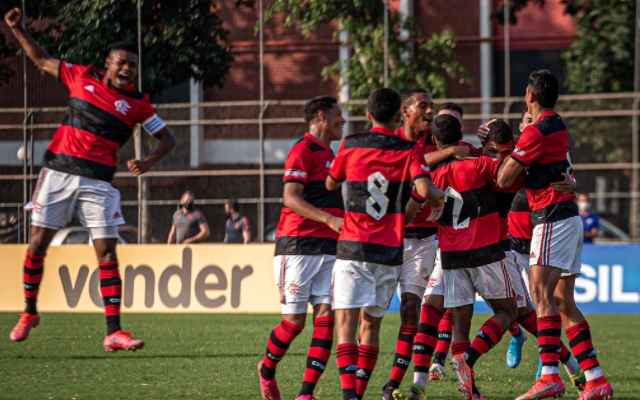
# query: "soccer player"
306,241
470,254
420,240
556,245
379,168
79,165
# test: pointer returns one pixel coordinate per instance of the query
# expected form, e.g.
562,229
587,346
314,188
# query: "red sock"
404,351
279,340
579,336
367,359
347,360
445,329
111,292
31,277
529,322
488,336
514,330
460,347
318,354
549,328
426,338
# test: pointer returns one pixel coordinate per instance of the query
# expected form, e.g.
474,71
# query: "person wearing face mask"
189,225
590,221
237,229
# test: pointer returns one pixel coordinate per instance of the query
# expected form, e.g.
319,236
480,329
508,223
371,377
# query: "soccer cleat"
543,389
268,387
412,392
121,340
578,380
466,380
387,393
305,397
21,331
437,372
539,371
514,354
600,392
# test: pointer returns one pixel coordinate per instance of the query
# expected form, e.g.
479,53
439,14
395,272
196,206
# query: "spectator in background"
237,229
189,225
590,221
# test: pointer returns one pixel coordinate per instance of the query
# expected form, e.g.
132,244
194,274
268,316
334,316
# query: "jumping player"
556,245
306,241
79,165
379,168
420,240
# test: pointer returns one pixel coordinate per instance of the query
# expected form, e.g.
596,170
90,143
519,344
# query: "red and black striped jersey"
99,121
420,228
469,232
504,201
308,164
544,149
379,168
520,225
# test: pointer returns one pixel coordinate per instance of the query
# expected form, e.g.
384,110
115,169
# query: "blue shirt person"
590,221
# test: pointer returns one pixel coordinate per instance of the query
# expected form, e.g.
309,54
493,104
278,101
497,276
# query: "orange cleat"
121,340
21,331
599,392
466,379
544,389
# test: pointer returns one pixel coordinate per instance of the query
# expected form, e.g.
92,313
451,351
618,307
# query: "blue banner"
609,283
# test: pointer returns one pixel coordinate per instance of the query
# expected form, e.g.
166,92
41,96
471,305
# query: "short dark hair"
233,204
317,104
451,107
383,105
188,192
545,86
447,129
500,132
407,96
126,46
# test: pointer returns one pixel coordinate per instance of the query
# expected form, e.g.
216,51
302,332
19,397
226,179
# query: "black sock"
113,324
31,306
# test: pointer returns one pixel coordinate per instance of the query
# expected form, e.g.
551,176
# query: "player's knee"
409,312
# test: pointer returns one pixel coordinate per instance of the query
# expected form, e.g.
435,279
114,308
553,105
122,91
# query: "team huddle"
442,221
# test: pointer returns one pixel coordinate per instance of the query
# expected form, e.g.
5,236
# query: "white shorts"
520,288
58,194
358,284
558,244
302,280
419,260
436,279
491,281
523,264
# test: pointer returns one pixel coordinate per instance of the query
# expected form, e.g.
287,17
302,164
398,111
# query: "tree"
181,39
431,63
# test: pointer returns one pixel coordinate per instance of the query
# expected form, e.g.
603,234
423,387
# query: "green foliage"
181,39
427,64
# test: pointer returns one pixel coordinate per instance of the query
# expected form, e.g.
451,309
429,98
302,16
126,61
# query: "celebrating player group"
441,221
413,209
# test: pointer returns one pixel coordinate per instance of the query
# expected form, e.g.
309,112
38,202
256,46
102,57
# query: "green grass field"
215,356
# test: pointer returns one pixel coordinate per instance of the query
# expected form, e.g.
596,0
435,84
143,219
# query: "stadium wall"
239,279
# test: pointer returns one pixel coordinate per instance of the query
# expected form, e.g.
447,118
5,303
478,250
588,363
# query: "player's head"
122,64
452,109
525,120
417,109
231,206
446,130
583,202
383,108
543,89
187,199
499,142
324,112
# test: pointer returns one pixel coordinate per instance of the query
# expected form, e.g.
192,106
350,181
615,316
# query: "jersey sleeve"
148,118
175,217
337,171
245,225
297,166
596,221
200,217
487,167
417,165
529,148
69,72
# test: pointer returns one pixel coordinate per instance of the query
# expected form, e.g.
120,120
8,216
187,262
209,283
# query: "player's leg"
323,326
445,334
518,337
347,350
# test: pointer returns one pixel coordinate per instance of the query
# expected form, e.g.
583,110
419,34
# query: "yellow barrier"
156,278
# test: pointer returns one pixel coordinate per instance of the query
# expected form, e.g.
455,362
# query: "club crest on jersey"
519,151
122,106
295,173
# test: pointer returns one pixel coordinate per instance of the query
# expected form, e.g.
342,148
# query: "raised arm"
37,54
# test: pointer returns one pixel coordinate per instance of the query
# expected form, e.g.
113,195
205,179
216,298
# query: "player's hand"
460,153
568,185
483,131
138,167
13,18
335,223
437,208
187,241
